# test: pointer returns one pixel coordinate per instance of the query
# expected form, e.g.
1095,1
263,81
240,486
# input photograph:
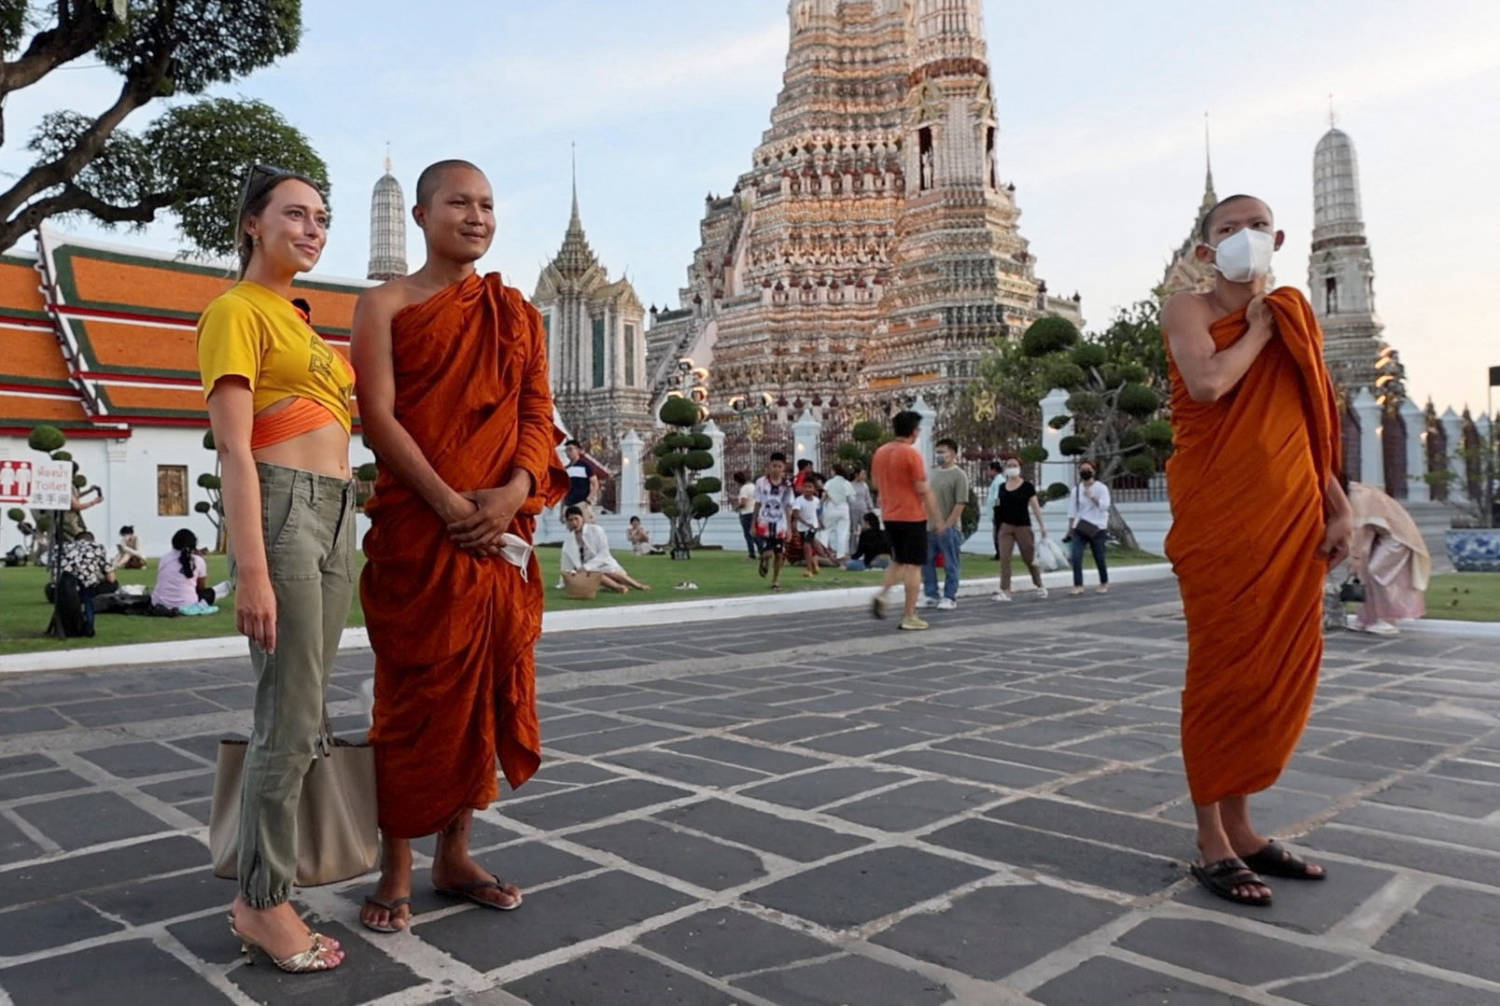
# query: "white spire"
387,226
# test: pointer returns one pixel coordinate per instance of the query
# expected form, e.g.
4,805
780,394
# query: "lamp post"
753,410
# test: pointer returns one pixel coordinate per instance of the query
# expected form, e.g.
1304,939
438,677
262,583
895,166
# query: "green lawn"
24,612
1466,597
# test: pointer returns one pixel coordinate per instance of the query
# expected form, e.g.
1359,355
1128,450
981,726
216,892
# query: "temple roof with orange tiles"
98,338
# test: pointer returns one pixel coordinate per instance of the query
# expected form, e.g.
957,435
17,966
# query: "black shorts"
908,541
771,541
809,538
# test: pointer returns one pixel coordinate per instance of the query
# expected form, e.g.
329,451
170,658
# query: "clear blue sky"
1101,108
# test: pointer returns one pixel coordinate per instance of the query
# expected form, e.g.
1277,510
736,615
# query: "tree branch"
75,34
74,199
140,86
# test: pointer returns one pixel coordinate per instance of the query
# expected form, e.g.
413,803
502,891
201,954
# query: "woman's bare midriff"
324,451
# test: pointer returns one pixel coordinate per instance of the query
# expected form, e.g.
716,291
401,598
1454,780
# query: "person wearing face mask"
1088,524
1016,504
1258,455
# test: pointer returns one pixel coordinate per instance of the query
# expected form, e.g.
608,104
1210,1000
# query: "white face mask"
1245,255
1012,473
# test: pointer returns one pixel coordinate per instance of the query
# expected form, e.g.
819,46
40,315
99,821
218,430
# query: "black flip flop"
467,892
1276,860
1223,876
392,907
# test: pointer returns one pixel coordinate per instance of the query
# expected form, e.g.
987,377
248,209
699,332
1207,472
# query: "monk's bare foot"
1213,852
279,931
387,907
459,872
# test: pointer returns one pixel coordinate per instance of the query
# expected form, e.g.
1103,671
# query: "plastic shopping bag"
1050,555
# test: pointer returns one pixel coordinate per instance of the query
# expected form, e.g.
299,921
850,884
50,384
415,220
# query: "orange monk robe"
454,633
1247,484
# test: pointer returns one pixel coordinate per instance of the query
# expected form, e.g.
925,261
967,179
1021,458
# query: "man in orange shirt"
906,504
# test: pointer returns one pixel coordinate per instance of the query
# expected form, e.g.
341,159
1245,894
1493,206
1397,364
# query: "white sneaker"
223,589
1000,595
947,604
1041,593
927,602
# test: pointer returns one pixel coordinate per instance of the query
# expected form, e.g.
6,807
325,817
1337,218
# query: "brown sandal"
1223,876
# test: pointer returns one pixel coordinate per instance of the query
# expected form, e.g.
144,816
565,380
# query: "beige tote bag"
337,825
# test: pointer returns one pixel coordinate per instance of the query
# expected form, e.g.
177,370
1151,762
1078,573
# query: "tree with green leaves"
189,161
867,434
681,455
1116,383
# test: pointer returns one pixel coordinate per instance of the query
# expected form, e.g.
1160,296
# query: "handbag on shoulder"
337,824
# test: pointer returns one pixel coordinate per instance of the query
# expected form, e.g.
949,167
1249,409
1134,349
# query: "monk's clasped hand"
1336,538
494,509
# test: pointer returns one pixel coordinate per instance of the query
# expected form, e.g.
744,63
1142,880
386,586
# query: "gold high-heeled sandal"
306,962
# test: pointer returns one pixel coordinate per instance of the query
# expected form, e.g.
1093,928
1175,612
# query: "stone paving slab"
820,811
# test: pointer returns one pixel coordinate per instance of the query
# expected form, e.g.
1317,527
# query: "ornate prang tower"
1340,271
596,344
1185,272
963,275
851,265
387,228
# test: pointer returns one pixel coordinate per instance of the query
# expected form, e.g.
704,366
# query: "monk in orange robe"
455,399
1259,514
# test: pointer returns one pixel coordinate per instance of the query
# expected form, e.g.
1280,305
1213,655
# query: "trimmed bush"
1087,402
46,439
210,481
698,461
1058,491
867,431
1072,446
1049,335
1064,374
1140,465
669,507
1156,432
1138,400
1136,373
1058,422
653,483
699,442
367,472
208,440
203,506
16,513
62,455
80,480
667,466
1089,354
1033,454
704,507
676,411
708,484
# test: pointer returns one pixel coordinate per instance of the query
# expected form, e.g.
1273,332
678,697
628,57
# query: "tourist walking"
745,507
583,481
860,502
1016,505
950,488
773,502
1088,526
997,479
806,522
907,504
278,402
452,595
1253,535
838,493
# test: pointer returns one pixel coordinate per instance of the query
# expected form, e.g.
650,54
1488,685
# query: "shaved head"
432,176
1206,230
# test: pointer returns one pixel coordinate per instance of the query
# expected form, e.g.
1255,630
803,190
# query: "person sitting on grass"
182,578
805,521
874,549
640,538
586,550
128,554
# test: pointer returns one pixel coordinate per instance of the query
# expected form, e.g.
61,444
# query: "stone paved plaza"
807,810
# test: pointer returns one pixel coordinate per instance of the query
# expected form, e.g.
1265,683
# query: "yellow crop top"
250,332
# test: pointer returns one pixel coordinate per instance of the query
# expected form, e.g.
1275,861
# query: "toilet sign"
43,484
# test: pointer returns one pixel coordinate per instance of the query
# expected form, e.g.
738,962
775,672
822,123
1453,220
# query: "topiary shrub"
1138,400
867,431
1089,354
367,472
684,451
700,442
1064,374
1033,454
1058,491
208,439
1074,445
1141,465
1087,402
698,461
709,484
677,411
46,439
704,507
1049,335
1156,433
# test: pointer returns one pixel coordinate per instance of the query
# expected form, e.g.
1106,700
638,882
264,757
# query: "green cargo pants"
308,522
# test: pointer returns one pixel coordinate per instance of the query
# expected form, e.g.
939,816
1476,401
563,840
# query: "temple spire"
576,221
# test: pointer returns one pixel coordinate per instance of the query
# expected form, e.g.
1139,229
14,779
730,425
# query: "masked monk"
455,400
1259,514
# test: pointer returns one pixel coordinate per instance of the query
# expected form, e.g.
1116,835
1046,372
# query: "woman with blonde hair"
278,400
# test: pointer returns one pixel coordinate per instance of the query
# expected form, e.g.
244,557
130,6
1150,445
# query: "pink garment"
173,590
1389,556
